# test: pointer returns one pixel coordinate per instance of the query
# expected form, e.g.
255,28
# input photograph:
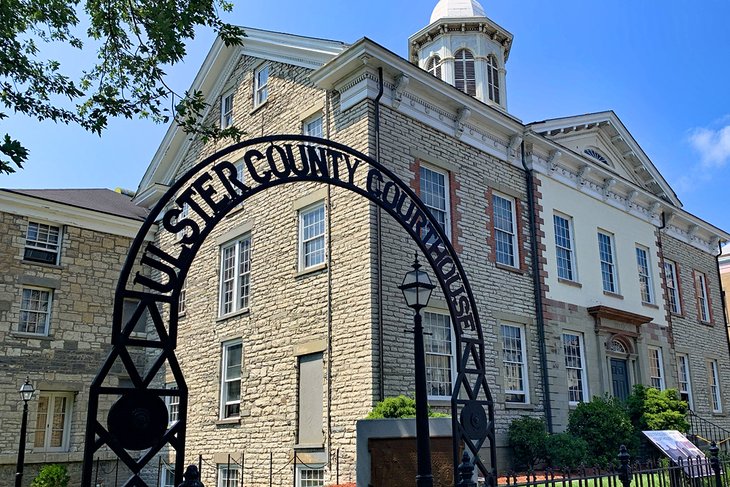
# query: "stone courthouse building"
588,274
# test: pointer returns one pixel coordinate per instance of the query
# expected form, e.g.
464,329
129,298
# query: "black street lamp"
417,289
26,394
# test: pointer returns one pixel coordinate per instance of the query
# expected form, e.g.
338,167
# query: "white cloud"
712,145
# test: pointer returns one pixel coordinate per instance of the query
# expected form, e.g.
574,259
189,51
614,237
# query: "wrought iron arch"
137,422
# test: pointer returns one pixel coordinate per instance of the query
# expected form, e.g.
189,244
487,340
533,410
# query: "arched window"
593,153
493,78
464,75
434,66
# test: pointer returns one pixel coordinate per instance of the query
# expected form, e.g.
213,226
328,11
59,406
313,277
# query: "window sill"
509,268
678,315
518,405
612,295
568,282
228,422
235,211
42,264
235,314
649,305
259,106
439,401
311,270
33,336
309,446
706,323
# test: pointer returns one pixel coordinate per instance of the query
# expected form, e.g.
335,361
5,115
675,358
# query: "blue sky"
663,67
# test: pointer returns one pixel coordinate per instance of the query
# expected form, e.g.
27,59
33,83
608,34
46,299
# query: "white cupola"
464,48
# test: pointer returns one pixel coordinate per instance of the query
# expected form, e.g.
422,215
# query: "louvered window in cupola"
464,75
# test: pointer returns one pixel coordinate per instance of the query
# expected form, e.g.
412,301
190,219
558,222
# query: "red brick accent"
665,289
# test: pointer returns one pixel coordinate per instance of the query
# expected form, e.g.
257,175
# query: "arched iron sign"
136,428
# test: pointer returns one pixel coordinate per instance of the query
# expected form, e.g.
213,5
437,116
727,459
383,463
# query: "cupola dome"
457,9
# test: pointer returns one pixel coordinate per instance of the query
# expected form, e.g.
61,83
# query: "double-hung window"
685,382
493,78
575,367
231,379
434,192
310,476
227,109
564,253
703,304
311,236
53,421
644,269
235,287
173,406
505,230
608,266
181,299
228,475
671,277
313,126
714,378
656,368
514,359
261,85
35,311
167,476
439,345
42,243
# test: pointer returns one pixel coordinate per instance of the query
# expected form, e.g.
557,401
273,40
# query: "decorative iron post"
715,463
466,472
624,474
26,394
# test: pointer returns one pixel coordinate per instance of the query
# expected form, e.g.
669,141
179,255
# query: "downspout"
328,212
379,250
537,288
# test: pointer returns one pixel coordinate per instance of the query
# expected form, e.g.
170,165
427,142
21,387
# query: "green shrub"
399,407
52,476
605,425
564,450
527,437
651,409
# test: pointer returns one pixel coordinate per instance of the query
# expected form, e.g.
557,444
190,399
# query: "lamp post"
26,394
416,290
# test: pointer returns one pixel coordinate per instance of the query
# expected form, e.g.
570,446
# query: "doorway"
620,378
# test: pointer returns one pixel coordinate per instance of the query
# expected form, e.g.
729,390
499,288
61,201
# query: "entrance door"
620,378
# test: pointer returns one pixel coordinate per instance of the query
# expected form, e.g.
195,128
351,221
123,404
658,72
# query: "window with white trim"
173,406
514,360
231,379
703,304
35,310
181,304
493,78
184,213
53,421
464,72
564,254
685,382
645,280
310,476
672,281
313,125
261,84
235,285
228,475
433,66
505,230
434,192
439,345
42,243
311,236
715,397
129,310
167,476
575,367
227,109
656,368
608,267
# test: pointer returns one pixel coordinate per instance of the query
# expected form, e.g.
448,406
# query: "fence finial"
624,474
466,472
192,477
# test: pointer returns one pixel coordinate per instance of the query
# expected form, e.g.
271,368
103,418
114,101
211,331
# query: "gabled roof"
99,199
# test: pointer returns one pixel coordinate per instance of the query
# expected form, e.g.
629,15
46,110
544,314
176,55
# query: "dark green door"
620,378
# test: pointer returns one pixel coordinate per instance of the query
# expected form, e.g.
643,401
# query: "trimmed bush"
652,409
605,425
527,437
564,450
53,475
399,407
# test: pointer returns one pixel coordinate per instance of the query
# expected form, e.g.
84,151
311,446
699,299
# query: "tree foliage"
605,425
527,437
135,40
52,475
652,409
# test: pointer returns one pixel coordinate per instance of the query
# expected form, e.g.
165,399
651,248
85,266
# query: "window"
227,110
434,192
35,311
434,66
181,298
128,313
311,236
672,279
261,85
656,368
575,367
514,358
685,384
645,282
42,243
505,230
167,476
311,407
228,475
439,345
565,257
310,477
235,287
173,406
715,398
703,305
53,420
231,380
184,213
313,126
493,79
608,269
464,73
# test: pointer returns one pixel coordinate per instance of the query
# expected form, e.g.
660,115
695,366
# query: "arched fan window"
434,66
464,74
593,153
617,346
493,78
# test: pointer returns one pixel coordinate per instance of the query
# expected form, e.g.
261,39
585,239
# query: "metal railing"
703,432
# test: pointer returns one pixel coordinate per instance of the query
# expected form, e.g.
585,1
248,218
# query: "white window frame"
224,478
452,355
524,377
611,264
260,90
656,368
307,125
581,369
464,61
184,213
569,249
493,79
303,213
512,236
182,298
167,476
225,380
47,427
173,406
43,245
672,281
434,66
227,99
426,196
702,297
302,468
27,311
684,383
646,281
238,276
714,386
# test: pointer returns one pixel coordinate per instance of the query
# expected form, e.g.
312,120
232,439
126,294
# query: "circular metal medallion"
138,420
474,420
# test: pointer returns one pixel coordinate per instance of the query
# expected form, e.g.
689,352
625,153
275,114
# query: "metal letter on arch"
136,428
